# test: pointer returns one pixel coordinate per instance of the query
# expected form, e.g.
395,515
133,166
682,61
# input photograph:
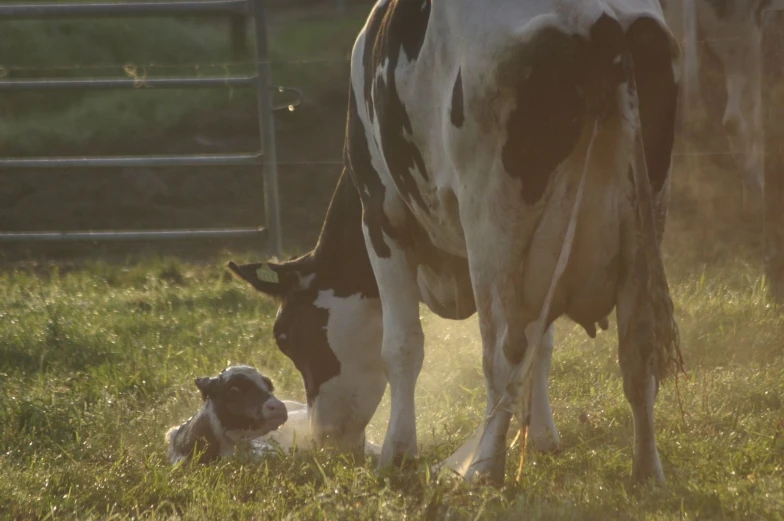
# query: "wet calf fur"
238,405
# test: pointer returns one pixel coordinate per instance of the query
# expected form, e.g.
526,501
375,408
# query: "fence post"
773,110
267,124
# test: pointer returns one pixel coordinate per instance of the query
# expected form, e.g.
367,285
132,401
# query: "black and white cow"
469,124
732,31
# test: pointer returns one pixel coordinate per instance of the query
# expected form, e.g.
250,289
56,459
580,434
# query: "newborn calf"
238,404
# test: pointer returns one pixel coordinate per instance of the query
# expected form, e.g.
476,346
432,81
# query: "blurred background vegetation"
310,44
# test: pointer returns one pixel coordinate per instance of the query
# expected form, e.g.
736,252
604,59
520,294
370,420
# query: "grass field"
96,363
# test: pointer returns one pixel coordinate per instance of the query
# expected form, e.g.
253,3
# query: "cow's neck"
341,254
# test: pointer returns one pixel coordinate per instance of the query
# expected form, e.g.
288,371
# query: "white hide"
353,333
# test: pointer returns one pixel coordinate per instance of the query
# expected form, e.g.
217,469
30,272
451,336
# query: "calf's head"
241,399
330,328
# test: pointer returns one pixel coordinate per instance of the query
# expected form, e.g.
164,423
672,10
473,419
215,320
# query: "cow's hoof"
482,474
546,442
398,459
544,435
648,473
404,462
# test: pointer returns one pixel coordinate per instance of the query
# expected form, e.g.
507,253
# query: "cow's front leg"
402,348
403,353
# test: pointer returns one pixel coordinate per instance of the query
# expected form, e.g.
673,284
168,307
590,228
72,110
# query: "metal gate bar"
266,156
236,82
143,235
133,161
120,9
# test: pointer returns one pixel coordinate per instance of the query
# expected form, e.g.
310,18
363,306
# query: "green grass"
96,363
84,121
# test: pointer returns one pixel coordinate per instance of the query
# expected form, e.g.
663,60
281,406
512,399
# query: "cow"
732,31
474,130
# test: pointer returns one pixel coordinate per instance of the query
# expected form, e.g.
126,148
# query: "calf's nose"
274,408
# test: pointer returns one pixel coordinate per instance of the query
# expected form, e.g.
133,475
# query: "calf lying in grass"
238,405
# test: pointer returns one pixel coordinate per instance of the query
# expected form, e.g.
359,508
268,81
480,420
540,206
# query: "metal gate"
265,157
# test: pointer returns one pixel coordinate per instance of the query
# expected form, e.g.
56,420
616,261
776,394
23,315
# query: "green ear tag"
266,274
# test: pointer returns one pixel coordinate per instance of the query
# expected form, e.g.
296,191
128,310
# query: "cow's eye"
282,340
234,390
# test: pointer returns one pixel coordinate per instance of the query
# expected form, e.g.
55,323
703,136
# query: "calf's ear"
208,386
263,276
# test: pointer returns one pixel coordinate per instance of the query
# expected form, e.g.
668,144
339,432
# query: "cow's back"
430,84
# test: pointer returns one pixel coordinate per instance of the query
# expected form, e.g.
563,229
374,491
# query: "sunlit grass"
96,363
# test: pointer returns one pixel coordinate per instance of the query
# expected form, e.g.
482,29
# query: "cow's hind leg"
544,434
490,457
496,262
636,337
503,319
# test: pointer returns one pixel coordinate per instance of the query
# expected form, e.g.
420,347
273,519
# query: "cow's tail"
647,267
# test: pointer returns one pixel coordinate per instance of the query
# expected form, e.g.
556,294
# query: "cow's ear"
263,276
207,386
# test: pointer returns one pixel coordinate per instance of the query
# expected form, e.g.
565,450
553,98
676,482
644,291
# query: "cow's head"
331,330
734,34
